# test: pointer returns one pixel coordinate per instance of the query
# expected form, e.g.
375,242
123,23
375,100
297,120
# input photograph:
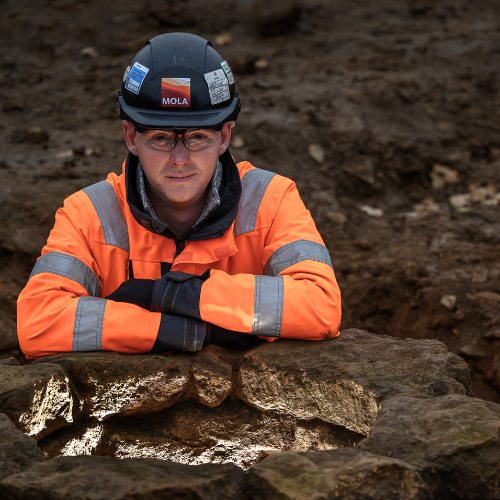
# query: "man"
184,247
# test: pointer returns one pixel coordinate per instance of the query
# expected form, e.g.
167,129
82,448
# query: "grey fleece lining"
213,199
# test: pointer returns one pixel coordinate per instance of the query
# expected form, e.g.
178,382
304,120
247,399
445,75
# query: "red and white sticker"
175,92
218,86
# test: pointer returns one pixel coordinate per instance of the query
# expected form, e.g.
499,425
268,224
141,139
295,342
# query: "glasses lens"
163,140
200,139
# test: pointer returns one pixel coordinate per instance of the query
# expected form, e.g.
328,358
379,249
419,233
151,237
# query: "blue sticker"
135,78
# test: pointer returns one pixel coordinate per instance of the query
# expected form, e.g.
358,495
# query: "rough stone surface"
96,478
234,433
110,383
37,398
313,401
17,451
342,381
9,361
453,440
223,406
346,474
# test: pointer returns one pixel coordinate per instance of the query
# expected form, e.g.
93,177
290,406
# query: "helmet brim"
151,118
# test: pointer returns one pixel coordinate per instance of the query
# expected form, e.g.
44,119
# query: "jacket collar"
213,226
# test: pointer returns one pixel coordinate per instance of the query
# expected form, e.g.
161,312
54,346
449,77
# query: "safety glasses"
194,139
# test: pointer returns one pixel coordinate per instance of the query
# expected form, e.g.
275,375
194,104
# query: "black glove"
178,333
237,341
178,293
134,291
174,293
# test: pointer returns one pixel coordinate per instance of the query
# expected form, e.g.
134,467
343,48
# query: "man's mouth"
180,177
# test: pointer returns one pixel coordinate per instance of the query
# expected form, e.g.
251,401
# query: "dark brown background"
388,89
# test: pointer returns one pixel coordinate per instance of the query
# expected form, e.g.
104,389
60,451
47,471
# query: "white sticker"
227,70
127,71
135,77
218,86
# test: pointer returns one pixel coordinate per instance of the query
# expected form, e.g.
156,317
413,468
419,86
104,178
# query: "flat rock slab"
110,383
18,451
348,474
96,478
37,398
453,440
343,380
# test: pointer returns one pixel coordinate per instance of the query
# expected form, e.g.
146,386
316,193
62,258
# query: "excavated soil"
385,113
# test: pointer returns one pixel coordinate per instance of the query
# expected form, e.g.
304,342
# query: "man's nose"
180,154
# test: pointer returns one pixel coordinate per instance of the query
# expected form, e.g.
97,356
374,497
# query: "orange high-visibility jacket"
270,273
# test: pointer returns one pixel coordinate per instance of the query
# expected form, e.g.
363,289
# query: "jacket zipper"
179,247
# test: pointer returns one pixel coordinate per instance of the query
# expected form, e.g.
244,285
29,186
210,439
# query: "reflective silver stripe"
70,267
190,334
89,317
294,252
268,307
106,204
254,186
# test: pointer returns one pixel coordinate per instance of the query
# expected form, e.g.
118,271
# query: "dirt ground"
385,113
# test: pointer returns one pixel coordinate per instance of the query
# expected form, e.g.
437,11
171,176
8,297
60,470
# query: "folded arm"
64,307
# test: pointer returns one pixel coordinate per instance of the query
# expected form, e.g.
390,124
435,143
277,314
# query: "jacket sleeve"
62,306
296,294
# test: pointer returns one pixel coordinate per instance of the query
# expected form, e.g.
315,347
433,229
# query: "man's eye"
160,138
198,137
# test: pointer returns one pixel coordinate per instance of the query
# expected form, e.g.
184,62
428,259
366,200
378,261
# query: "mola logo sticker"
176,92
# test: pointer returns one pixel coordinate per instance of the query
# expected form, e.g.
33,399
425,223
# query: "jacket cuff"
179,333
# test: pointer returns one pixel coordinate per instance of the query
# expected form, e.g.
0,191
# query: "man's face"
178,178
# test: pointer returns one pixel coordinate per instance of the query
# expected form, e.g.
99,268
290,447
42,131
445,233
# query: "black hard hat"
178,80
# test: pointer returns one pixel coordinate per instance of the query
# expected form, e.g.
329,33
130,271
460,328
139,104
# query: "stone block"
343,380
110,383
453,440
103,478
348,474
18,451
37,398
